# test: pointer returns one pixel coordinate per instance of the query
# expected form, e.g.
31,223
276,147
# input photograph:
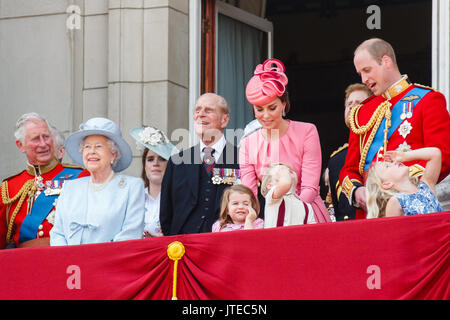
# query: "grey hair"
220,101
58,136
112,147
20,131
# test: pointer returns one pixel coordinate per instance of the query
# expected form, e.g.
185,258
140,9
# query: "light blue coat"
84,215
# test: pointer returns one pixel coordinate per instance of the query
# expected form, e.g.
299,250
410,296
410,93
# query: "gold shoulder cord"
382,111
23,192
426,87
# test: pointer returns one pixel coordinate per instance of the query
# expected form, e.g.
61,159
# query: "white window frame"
195,36
440,61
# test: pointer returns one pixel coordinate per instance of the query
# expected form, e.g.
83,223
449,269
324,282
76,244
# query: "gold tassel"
175,251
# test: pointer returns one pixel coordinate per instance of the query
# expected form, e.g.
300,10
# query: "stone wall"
128,61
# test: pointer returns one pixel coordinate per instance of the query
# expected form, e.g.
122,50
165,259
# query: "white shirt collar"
218,147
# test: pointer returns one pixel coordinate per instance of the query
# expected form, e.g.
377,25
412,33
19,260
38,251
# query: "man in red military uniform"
399,116
28,198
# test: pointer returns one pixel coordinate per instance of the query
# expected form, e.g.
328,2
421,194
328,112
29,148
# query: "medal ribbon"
41,208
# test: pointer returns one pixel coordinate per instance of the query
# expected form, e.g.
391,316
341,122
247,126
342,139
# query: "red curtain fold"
410,256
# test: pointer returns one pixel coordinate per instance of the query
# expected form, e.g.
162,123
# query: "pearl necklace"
100,186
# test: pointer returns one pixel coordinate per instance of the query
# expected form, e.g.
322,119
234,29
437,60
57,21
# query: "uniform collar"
40,170
397,88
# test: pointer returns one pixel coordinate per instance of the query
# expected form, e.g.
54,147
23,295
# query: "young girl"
278,187
390,190
239,210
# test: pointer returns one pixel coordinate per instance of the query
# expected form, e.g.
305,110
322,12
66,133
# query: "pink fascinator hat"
268,82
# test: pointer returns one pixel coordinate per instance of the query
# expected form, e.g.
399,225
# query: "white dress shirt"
218,148
151,220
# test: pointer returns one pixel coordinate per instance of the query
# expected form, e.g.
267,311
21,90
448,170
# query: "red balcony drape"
387,258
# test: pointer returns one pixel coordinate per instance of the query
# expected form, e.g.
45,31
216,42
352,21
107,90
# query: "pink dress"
257,224
299,148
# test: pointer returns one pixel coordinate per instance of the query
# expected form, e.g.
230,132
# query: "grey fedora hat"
104,127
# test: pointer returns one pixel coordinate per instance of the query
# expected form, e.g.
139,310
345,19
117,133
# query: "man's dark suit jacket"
343,210
181,196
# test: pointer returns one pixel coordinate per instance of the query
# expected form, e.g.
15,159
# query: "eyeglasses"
89,148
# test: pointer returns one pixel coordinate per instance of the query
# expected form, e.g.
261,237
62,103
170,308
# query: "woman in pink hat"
280,140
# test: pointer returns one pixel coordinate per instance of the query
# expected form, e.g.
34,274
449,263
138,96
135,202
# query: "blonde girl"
391,191
239,210
278,187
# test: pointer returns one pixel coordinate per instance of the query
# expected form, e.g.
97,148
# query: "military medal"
403,115
409,113
53,187
225,176
230,176
405,129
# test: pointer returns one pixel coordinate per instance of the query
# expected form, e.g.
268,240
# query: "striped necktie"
208,160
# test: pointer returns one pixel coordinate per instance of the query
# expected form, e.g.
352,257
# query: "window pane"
240,48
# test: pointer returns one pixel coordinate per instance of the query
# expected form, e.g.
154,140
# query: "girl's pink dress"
299,148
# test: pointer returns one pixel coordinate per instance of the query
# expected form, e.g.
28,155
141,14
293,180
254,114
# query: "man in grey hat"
195,179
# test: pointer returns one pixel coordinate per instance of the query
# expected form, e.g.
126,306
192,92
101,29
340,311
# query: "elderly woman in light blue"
156,150
106,206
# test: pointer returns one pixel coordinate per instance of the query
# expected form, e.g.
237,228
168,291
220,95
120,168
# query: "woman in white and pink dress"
290,142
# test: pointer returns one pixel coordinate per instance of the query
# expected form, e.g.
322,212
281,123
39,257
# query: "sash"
396,121
42,206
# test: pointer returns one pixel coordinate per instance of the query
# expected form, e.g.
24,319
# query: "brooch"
216,180
122,182
405,129
51,217
404,147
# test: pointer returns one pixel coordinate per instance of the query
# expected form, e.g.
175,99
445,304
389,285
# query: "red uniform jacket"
14,185
430,128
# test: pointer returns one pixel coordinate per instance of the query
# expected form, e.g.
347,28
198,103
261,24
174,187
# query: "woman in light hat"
106,206
157,149
290,142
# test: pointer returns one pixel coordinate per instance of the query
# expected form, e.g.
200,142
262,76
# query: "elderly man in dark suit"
195,178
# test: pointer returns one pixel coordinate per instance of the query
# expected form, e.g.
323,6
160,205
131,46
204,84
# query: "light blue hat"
104,127
154,140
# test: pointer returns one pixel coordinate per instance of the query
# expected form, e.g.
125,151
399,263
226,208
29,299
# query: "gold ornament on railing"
175,251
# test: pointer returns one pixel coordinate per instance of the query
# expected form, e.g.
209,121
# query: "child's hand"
284,173
251,215
394,156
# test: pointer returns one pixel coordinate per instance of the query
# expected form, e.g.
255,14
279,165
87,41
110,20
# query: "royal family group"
398,150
